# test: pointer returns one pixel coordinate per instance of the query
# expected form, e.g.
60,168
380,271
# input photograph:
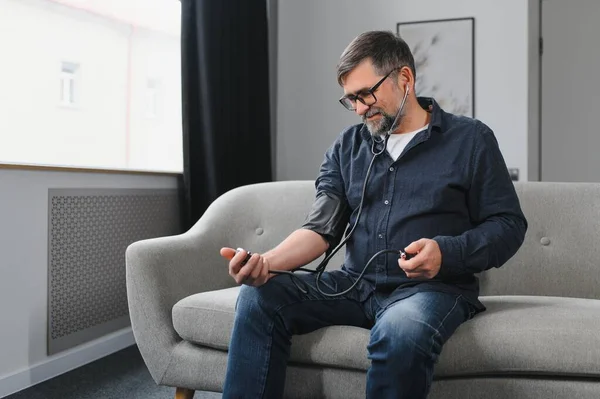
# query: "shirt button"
391,169
380,236
386,202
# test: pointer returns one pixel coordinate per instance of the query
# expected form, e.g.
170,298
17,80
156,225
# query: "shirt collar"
427,103
431,106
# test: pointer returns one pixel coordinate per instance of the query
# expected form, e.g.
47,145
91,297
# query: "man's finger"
227,253
413,269
257,268
247,270
416,275
235,264
244,273
412,264
415,246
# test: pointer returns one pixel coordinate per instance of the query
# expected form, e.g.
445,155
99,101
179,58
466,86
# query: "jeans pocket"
328,281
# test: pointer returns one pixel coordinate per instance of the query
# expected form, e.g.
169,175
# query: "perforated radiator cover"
88,233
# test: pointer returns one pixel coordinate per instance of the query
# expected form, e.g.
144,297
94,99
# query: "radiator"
88,233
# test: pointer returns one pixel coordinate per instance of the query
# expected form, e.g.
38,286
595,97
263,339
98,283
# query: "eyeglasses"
367,97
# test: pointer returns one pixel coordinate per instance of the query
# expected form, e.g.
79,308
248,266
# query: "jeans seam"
437,330
266,366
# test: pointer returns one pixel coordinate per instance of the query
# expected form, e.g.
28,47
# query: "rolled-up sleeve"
330,211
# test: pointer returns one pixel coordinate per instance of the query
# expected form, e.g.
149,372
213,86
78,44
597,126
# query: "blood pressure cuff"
329,217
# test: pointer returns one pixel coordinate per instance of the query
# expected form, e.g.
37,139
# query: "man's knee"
248,302
251,297
267,297
255,307
404,338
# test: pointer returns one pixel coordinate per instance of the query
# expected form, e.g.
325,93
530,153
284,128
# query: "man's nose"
361,108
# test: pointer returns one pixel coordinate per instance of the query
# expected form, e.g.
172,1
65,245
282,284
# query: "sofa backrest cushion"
257,217
560,255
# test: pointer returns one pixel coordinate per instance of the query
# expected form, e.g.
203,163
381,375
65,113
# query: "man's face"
380,116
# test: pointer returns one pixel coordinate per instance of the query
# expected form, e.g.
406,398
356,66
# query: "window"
67,83
152,88
92,84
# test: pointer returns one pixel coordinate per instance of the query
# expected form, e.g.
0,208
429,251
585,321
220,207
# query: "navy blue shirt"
450,184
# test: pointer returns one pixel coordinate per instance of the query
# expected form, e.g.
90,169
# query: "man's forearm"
298,249
487,246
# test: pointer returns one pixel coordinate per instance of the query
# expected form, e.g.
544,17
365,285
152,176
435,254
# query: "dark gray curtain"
226,119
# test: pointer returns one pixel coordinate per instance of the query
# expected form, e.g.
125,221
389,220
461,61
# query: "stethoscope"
321,267
376,142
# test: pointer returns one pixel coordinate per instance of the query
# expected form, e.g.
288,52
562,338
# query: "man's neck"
414,118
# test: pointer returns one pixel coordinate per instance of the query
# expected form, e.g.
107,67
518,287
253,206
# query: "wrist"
451,257
270,259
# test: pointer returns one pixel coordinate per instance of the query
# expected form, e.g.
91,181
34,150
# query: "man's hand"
255,272
427,260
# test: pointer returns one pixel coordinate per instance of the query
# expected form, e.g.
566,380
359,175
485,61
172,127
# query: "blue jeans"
406,334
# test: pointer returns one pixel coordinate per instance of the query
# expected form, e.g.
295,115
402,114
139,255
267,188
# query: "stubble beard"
383,125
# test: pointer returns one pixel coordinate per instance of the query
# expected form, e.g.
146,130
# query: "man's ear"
404,78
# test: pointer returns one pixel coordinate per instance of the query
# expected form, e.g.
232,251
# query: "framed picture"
444,53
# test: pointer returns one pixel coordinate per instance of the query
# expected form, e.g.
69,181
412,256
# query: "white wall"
313,34
24,274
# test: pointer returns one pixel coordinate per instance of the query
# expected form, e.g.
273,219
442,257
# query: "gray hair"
386,50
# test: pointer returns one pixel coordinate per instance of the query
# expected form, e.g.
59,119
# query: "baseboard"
66,361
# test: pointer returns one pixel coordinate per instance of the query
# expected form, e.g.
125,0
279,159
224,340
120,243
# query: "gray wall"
24,274
570,86
313,34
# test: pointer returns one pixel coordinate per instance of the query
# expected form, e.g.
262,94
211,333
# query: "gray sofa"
539,338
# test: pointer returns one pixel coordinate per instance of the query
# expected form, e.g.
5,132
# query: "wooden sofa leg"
184,393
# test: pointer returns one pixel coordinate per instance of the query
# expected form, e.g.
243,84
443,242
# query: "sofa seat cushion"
516,335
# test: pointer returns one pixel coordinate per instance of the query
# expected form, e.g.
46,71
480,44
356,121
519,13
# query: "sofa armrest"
160,272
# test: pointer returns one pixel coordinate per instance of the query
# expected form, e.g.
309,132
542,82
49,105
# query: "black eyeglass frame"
358,97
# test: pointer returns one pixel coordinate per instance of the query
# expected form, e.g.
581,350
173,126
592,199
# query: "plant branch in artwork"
426,85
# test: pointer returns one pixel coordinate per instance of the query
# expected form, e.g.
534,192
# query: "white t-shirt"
397,142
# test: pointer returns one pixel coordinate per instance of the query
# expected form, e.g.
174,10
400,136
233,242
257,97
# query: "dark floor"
120,375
